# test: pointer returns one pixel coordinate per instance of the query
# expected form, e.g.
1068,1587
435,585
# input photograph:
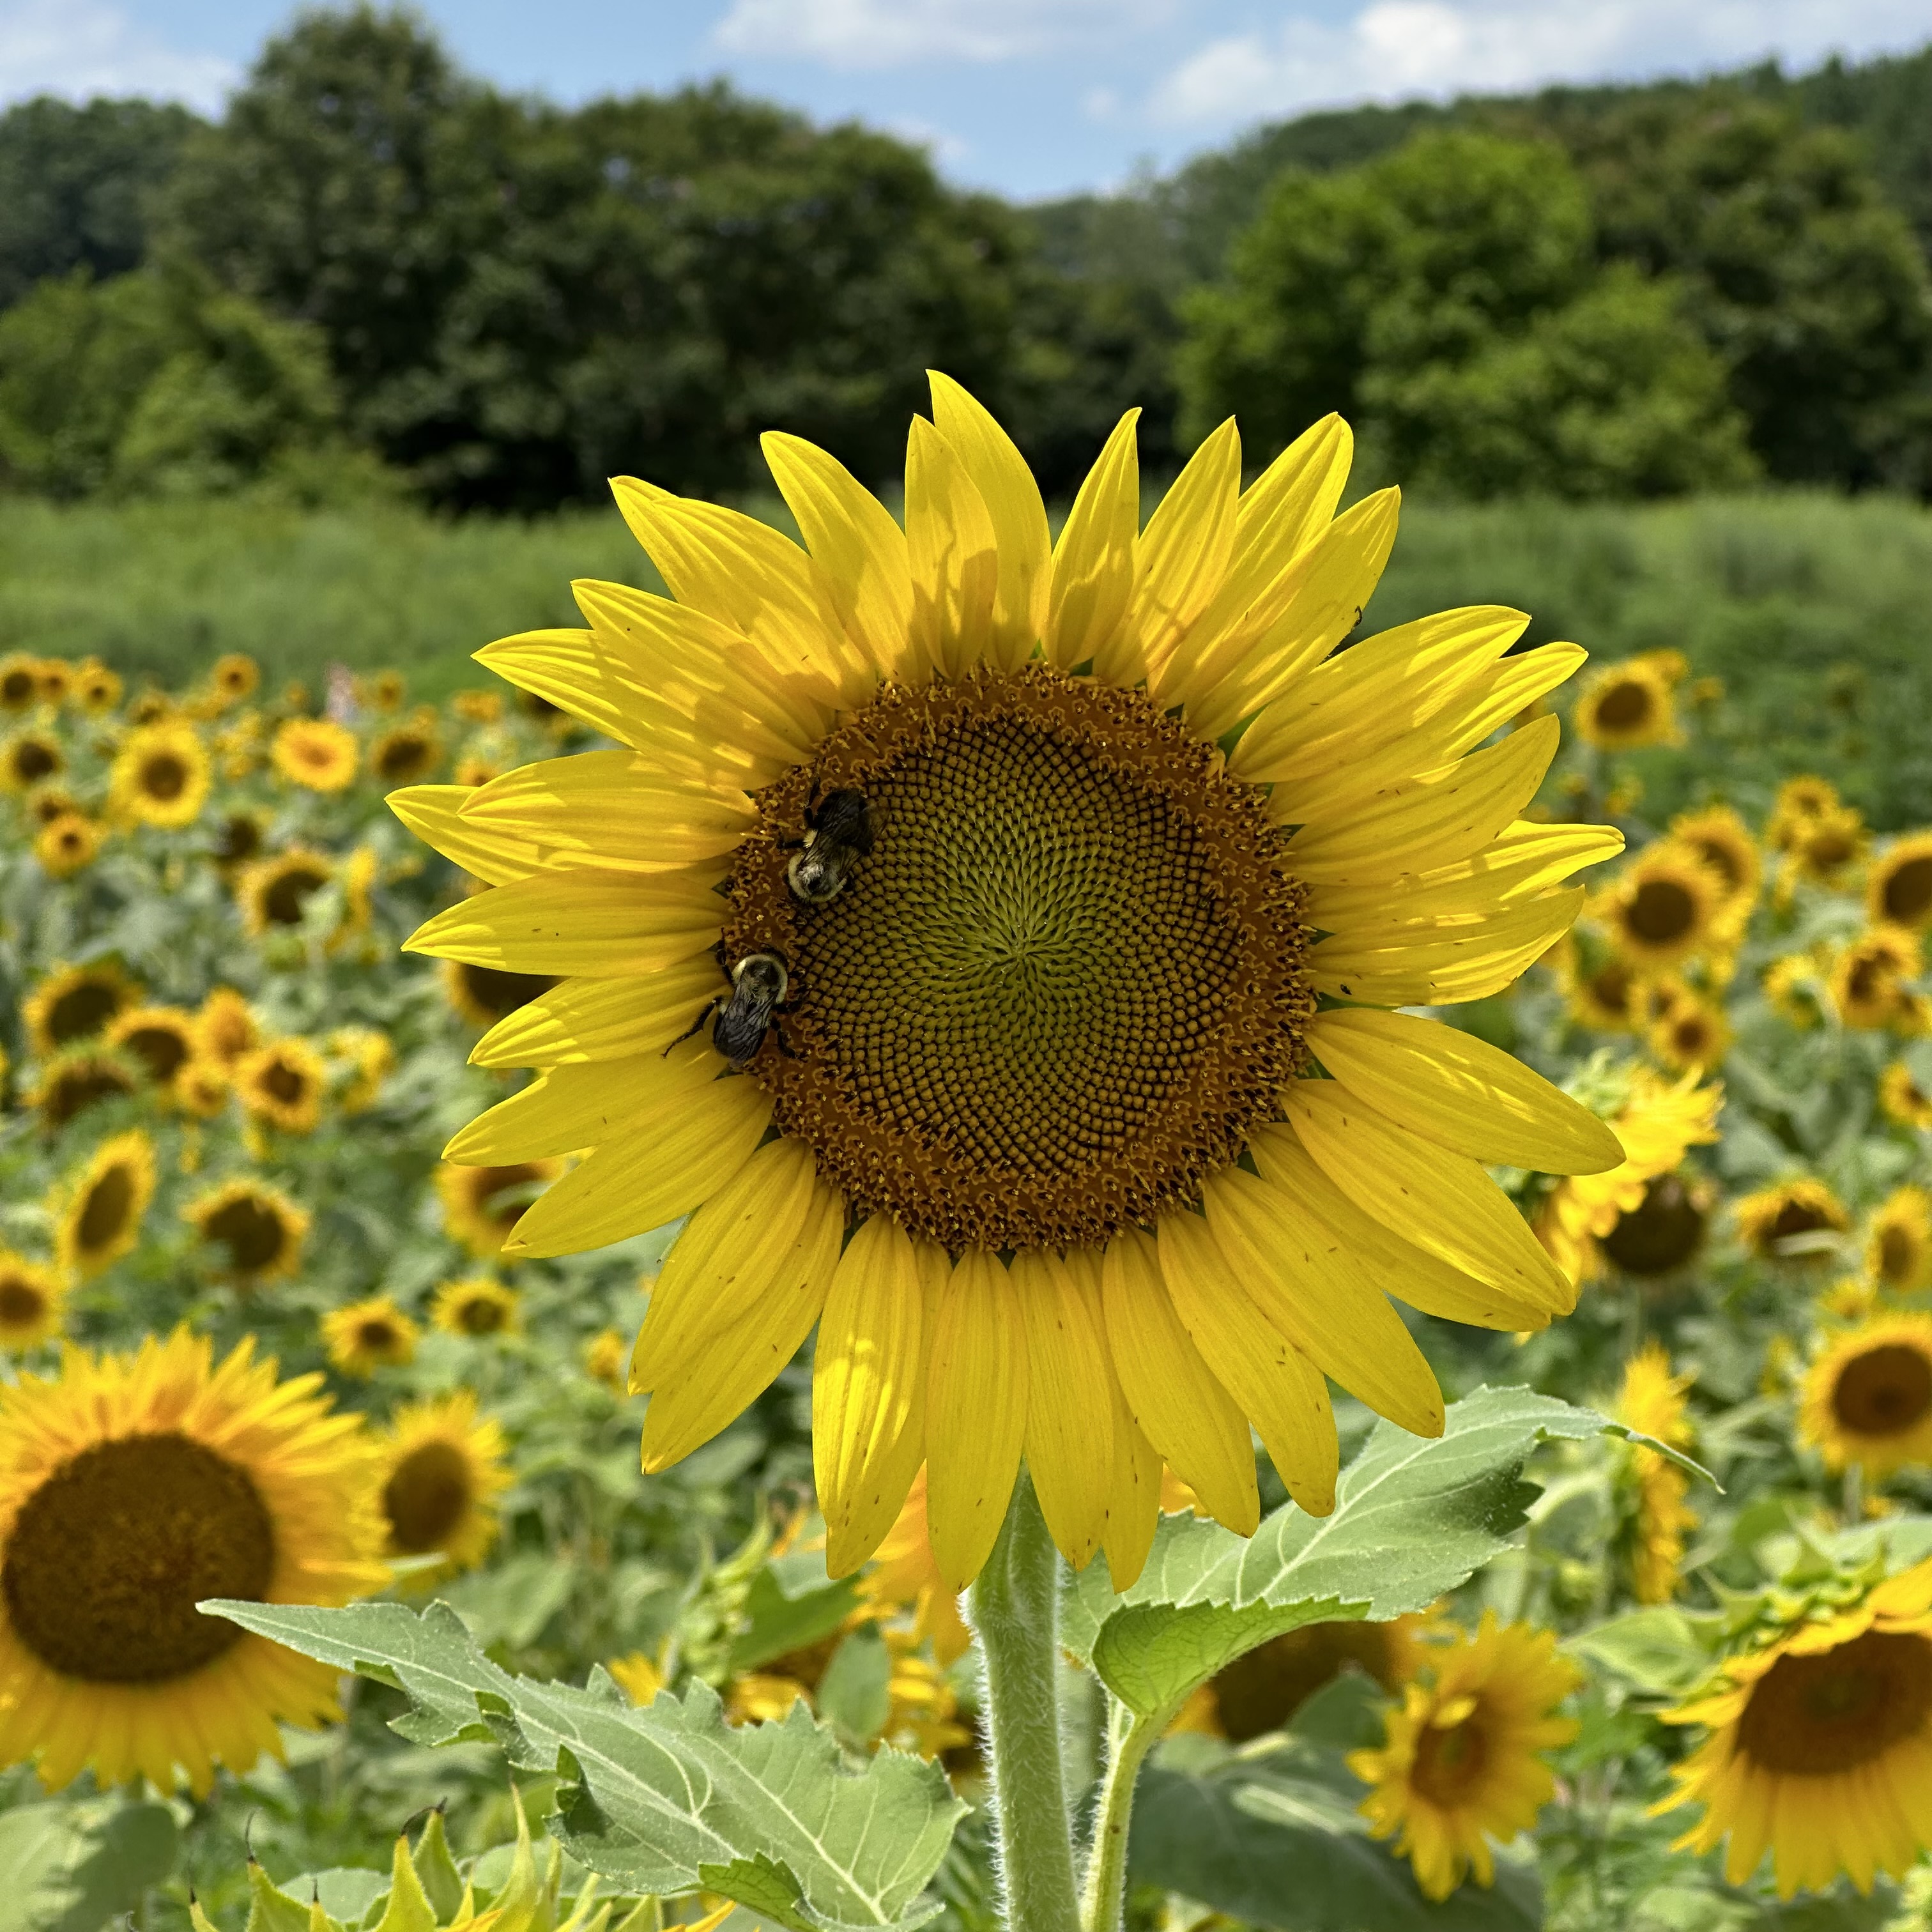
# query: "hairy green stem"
1128,1740
1015,1605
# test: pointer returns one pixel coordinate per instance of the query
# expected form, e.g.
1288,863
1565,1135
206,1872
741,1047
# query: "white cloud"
1396,50
77,48
901,33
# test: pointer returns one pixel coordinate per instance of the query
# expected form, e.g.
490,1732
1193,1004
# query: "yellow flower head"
1818,1741
406,755
100,1215
316,753
161,1040
67,844
366,1057
1693,1033
1866,976
481,1205
1800,801
1902,1099
238,839
1651,1403
1722,839
55,678
1795,987
1788,1211
257,1230
477,1307
1462,1760
442,1468
33,1300
362,1336
606,1356
30,758
46,802
98,688
236,675
1868,1397
1898,888
1823,848
282,1083
160,776
1603,992
131,1488
19,682
482,995
226,1027
1898,1243
70,1085
74,1004
478,707
1625,707
386,689
1012,961
1666,905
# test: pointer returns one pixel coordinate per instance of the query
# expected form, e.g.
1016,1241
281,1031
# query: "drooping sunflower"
1819,1739
72,1082
226,1027
1641,1216
1898,1241
1898,887
1868,1397
1057,973
1866,982
282,1083
259,1230
235,675
481,1205
1652,1402
1664,906
33,1302
1625,706
1787,1211
482,995
19,683
316,753
273,891
97,688
72,1004
67,844
477,1307
1721,838
133,1487
1902,1099
406,754
160,776
362,1336
1693,1033
102,1207
1462,1762
29,758
162,1040
442,1468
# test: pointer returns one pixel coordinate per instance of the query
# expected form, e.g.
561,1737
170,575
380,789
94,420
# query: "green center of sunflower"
1811,1716
109,1557
1066,980
1885,1391
251,1229
1449,1758
426,1497
103,1214
1662,1232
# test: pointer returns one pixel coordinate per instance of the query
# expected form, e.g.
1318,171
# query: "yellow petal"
1454,963
666,1164
1094,562
1279,1387
434,813
1461,1093
1442,1201
581,1106
1069,1444
1133,1497
954,554
602,925
975,1415
566,668
1300,1276
1191,1420
852,537
731,1371
1005,485
1186,548
869,1391
603,1019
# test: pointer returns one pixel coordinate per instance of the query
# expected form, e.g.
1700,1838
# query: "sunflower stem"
1015,1606
1128,1738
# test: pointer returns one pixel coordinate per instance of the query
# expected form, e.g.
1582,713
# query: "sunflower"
101,1209
1462,1759
476,1307
905,1574
1625,707
46,803
605,1356
1800,800
273,892
259,1229
1898,1243
73,1003
282,1083
406,754
20,681
386,689
1640,1215
1722,839
481,1205
238,839
1819,1737
1791,1211
226,1027
96,689
482,995
442,1468
363,1336
1652,1402
70,1083
235,675
1824,848
1898,887
365,1058
67,844
56,679
133,1487
316,753
29,758
1604,994
1052,1003
474,768
202,1087
1794,984
1692,1034
1666,905
1867,978
1868,1397
478,707
161,1039
33,1300
1901,1098
159,776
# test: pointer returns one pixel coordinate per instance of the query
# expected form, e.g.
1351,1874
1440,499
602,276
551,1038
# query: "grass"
1815,611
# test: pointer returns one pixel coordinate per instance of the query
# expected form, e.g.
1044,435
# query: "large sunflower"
1820,1744
443,1467
131,1488
1625,706
1652,1402
1802,801
258,1230
1037,964
70,1083
273,892
1898,887
33,1300
103,1207
1867,979
20,681
1721,838
72,1004
1868,1398
160,776
1664,906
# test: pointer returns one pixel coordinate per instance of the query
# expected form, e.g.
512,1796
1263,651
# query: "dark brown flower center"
33,761
79,1086
164,778
480,1315
1885,1391
402,755
1625,706
1449,1758
252,1230
1813,1716
1897,1254
82,1010
1906,895
1261,1690
1718,855
290,891
1661,1233
497,993
160,1049
22,1303
426,1497
104,1213
285,1083
109,1557
1661,912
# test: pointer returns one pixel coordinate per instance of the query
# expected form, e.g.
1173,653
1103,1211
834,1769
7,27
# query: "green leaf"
656,1798
790,1604
1661,1650
1413,1518
855,1695
71,1866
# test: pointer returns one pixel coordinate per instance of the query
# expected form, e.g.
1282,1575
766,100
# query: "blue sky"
1031,97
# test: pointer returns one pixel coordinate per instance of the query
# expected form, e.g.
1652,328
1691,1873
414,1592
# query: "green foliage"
73,1865
667,1798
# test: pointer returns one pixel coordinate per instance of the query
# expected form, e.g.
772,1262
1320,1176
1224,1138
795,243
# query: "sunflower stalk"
1015,1604
1129,1738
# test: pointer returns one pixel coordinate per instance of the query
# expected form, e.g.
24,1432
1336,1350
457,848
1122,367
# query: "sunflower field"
1249,1299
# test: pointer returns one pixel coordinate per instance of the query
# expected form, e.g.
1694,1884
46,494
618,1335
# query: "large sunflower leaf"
668,1798
72,1866
1414,1517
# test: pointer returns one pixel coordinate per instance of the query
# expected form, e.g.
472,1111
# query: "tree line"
375,272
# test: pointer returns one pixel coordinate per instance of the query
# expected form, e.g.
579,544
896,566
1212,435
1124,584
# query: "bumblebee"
759,982
841,828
